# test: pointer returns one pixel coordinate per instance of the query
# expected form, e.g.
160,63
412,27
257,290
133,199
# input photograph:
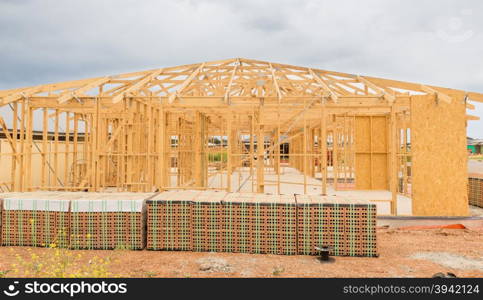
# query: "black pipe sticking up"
324,252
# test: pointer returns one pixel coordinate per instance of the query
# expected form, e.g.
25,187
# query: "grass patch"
218,157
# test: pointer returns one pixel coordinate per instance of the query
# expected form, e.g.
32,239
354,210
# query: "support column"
323,149
229,159
160,137
393,162
199,143
260,156
252,148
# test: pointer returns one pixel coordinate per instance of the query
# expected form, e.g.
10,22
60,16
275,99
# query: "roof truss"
232,78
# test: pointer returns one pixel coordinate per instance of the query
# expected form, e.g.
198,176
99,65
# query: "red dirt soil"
395,248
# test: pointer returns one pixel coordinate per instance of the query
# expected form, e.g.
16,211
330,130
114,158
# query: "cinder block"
108,221
35,219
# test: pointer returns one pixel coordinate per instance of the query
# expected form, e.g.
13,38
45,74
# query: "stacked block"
222,222
190,221
208,224
35,219
348,227
259,223
237,223
169,221
475,190
108,221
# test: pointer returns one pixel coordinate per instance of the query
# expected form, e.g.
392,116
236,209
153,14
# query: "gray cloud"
425,41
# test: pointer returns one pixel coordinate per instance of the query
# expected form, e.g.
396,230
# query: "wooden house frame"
177,127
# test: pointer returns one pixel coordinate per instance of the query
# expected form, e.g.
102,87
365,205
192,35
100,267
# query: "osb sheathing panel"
363,130
371,152
363,171
379,134
439,160
379,172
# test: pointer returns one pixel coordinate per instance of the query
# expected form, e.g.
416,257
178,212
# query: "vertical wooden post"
229,140
29,133
252,153
22,146
404,151
304,145
75,148
346,153
393,175
371,137
97,146
55,172
149,158
261,154
66,148
45,129
277,150
198,147
161,163
166,149
323,149
15,152
335,154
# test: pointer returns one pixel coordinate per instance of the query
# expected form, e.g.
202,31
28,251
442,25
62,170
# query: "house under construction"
241,125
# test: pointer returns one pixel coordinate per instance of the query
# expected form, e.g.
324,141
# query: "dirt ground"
403,253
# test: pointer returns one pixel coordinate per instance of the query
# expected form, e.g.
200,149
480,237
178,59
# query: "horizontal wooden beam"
475,97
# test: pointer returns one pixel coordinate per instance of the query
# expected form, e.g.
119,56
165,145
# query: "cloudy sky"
434,42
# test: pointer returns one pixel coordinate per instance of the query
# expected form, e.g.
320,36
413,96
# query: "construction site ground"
403,253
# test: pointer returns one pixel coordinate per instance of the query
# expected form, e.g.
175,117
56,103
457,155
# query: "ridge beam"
78,92
188,80
333,96
136,86
439,95
390,98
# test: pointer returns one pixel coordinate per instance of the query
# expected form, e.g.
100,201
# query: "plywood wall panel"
363,171
379,134
379,172
362,134
371,152
439,159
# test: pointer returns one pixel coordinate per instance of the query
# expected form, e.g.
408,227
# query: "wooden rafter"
20,94
379,90
188,80
136,86
291,81
80,91
275,83
230,83
440,95
326,88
